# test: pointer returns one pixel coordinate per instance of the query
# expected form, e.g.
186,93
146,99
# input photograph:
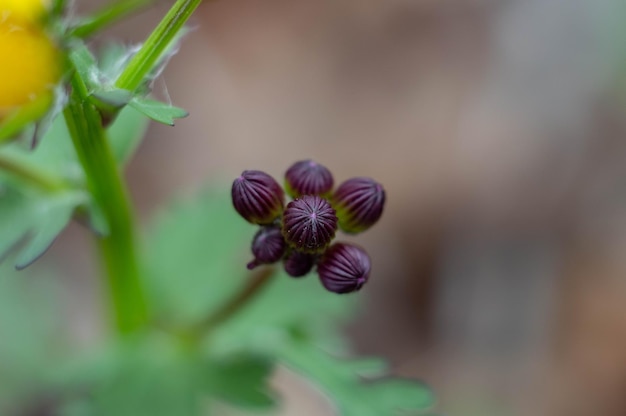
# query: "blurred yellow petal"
30,66
24,10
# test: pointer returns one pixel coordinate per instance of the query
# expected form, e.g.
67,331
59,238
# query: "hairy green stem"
109,14
31,174
109,192
144,61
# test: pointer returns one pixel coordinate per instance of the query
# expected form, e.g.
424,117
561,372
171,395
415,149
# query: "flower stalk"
105,183
145,60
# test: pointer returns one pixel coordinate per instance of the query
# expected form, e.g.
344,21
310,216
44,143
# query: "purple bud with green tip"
257,197
268,246
307,177
298,264
359,203
309,224
344,268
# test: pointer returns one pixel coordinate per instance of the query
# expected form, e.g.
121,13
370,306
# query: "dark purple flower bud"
268,246
308,178
298,264
359,204
258,197
344,268
309,223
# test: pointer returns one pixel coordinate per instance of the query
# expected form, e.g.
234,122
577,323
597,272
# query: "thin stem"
109,192
109,15
58,6
32,175
249,291
144,61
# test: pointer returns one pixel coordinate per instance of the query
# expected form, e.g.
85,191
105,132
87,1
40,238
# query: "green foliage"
204,345
32,222
158,111
150,375
99,79
353,394
195,261
32,214
240,380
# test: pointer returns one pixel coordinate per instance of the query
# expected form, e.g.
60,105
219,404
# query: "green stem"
144,61
58,7
108,190
108,15
32,175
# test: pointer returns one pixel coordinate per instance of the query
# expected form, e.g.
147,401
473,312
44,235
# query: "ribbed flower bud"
268,246
258,197
309,223
298,264
344,268
308,178
359,203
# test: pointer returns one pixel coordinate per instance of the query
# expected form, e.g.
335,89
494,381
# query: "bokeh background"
497,128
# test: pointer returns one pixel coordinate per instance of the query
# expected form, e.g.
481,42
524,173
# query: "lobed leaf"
158,111
240,380
352,394
195,261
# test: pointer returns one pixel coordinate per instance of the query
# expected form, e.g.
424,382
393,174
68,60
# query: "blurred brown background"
497,128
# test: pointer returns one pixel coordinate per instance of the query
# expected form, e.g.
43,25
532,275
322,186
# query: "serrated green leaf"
158,111
353,395
241,380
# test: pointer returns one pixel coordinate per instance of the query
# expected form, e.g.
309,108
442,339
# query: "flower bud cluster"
300,232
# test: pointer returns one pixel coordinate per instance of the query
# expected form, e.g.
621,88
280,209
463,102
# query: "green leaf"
353,395
195,263
149,375
54,217
195,257
241,380
29,223
30,217
158,111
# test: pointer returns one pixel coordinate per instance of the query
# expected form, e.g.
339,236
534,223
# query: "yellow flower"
30,64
